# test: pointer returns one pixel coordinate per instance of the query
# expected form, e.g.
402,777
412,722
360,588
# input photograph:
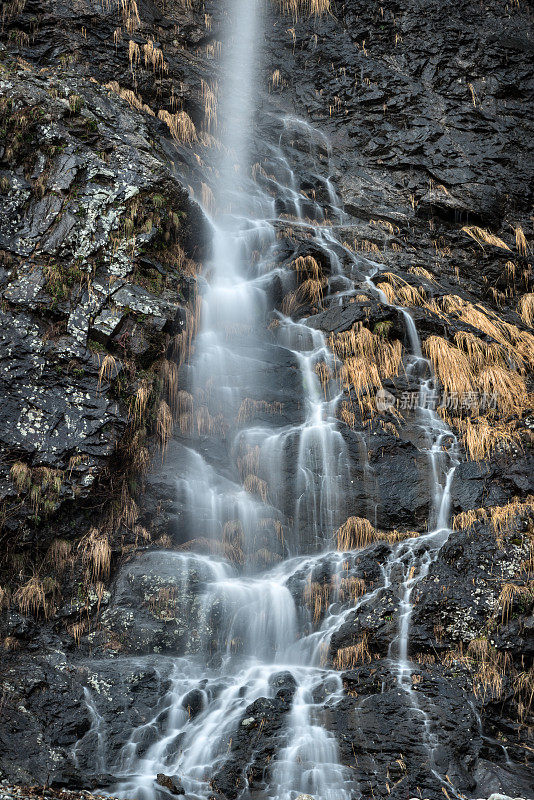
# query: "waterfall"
264,479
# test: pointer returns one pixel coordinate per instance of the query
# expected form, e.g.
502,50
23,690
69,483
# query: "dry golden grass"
215,547
21,476
206,424
518,344
363,343
131,97
207,197
185,423
297,8
421,272
311,286
248,461
264,558
363,378
209,98
478,648
233,534
482,439
59,554
108,369
509,593
169,377
507,386
482,237
249,409
367,360
164,424
480,353
476,366
347,415
489,679
524,691
487,665
520,241
503,519
355,533
317,598
348,657
96,554
153,56
307,267
256,486
180,125
37,596
525,308
351,588
291,304
139,403
134,54
510,268
400,292
466,519
77,629
450,365
184,402
324,374
276,79
5,598
389,427
268,522
130,15
311,290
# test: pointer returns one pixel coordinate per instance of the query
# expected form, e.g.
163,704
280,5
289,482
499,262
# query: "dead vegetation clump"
131,97
38,596
518,345
367,359
180,125
450,365
96,554
256,486
354,654
525,308
297,8
317,598
483,236
358,532
249,409
400,292
164,424
482,438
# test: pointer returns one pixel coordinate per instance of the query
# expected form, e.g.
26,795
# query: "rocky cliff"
108,123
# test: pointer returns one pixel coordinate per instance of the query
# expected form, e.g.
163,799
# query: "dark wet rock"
193,702
170,783
341,318
42,715
427,115
153,604
284,684
258,739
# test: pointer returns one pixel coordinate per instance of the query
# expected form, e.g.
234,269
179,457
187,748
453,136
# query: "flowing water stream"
270,479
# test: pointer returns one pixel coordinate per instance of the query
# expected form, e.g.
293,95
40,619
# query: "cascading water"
267,497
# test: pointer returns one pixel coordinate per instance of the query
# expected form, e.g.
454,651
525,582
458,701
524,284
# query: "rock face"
425,107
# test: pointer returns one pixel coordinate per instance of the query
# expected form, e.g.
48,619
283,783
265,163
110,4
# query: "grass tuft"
482,237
